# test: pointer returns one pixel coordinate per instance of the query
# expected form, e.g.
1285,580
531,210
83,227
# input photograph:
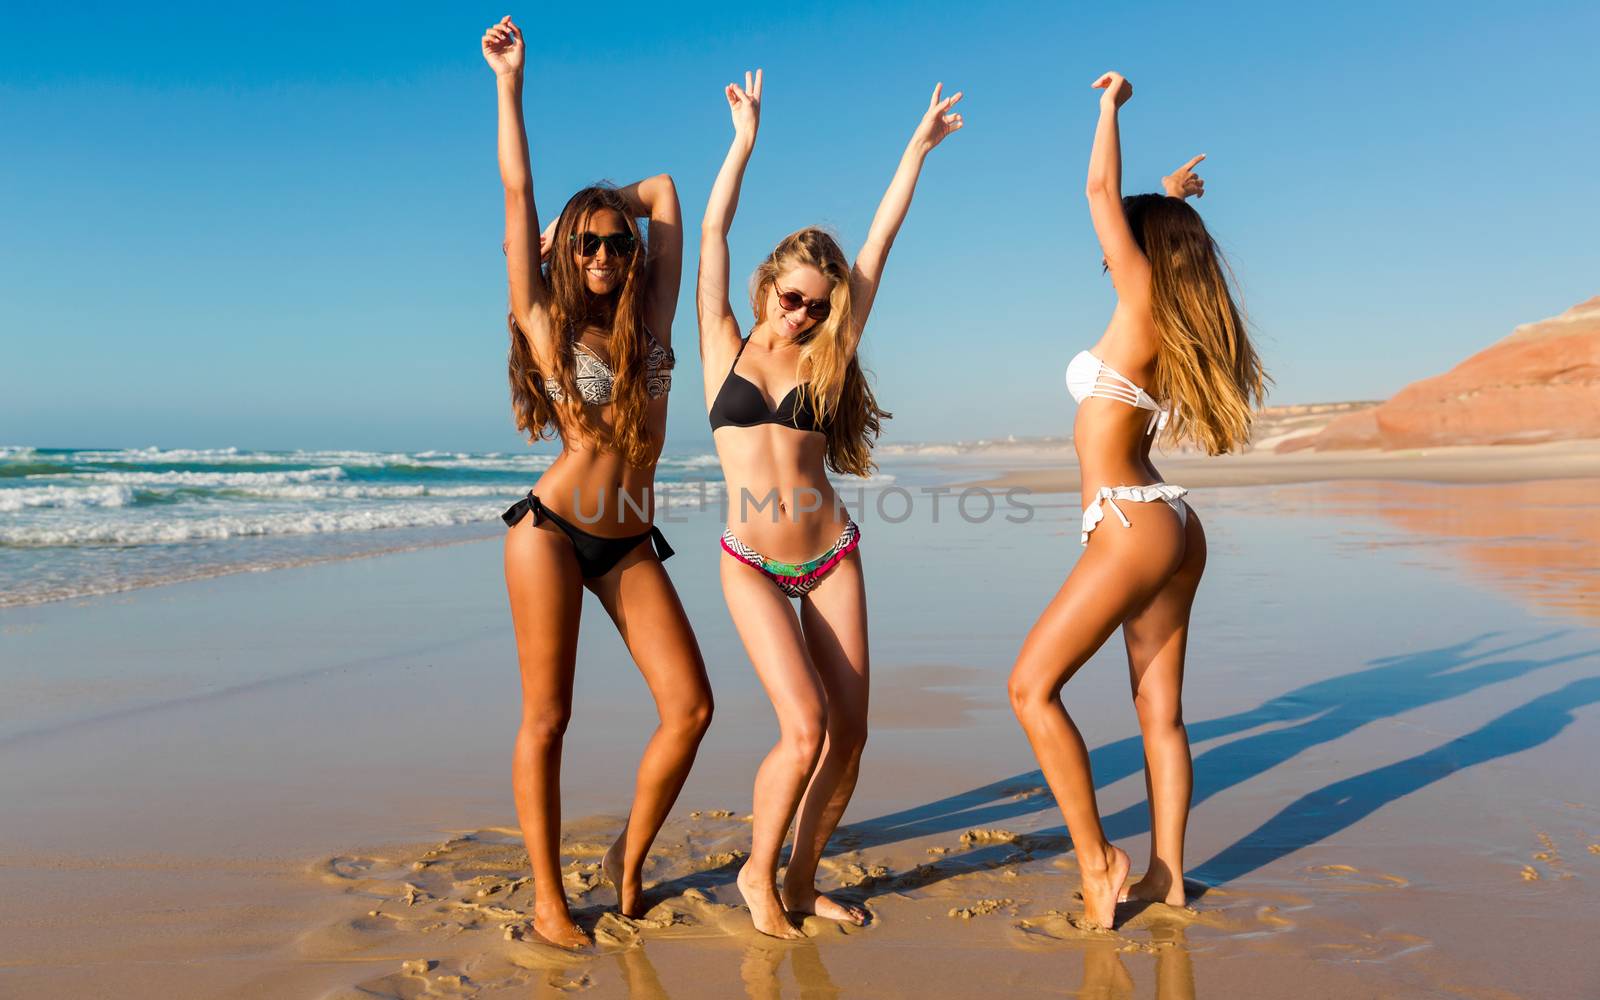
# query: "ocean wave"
492,461
206,480
126,531
702,461
353,491
299,456
22,498
920,449
164,456
70,461
1009,444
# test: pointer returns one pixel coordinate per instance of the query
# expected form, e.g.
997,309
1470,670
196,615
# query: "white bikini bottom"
1095,512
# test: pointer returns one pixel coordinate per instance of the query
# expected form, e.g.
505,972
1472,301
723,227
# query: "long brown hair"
832,381
1206,368
573,308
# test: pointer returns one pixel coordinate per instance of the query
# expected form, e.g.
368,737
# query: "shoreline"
202,573
1023,465
1461,465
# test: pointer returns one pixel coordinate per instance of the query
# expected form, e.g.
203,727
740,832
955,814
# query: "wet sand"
295,783
1054,470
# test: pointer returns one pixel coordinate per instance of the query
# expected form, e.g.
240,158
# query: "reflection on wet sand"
1538,540
763,959
929,696
639,976
1105,977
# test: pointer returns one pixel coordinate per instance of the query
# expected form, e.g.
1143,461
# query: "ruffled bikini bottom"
1166,492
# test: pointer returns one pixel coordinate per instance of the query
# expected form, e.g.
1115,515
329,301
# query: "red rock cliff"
1542,383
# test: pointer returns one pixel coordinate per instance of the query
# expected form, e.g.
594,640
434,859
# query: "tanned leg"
641,600
1115,576
546,594
834,618
776,646
1157,638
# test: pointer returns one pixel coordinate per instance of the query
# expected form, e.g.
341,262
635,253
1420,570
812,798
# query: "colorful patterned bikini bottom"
794,579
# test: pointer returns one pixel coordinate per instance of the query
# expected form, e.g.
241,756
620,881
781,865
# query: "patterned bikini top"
1088,376
596,379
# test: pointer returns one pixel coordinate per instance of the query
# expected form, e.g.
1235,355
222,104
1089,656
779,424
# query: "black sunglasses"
616,244
817,309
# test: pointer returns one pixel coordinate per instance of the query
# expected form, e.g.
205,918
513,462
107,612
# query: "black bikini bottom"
596,555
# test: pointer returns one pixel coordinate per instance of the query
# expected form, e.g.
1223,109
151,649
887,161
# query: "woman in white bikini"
1176,331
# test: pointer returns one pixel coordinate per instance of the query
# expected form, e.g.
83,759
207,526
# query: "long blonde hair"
1206,368
832,382
573,308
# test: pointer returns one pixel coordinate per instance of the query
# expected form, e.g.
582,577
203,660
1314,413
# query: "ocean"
75,522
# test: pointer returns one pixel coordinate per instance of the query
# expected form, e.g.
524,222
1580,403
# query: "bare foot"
554,924
810,901
1156,887
630,888
1102,888
766,909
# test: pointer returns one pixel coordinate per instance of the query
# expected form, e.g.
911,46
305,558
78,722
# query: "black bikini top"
740,404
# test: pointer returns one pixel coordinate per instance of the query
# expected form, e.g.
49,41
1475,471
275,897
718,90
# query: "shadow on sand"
1314,714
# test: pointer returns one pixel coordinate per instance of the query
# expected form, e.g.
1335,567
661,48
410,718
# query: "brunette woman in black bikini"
591,360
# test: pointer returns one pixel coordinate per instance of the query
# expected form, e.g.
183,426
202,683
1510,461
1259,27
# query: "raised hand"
1117,89
502,48
744,103
1184,182
937,122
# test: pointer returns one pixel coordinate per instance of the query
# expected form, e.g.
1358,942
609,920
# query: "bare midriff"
1113,446
779,499
596,488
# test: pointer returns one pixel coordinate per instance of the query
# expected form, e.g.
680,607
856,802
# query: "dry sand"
294,784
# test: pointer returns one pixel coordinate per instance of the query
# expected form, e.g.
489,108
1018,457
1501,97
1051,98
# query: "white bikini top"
1088,376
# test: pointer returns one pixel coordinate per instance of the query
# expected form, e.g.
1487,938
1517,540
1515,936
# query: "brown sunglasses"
817,309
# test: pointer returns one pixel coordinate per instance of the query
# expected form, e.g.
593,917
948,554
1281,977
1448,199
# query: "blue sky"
280,228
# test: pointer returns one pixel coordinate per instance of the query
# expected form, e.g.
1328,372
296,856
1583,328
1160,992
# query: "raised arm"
719,331
504,51
1130,271
937,122
1183,182
656,198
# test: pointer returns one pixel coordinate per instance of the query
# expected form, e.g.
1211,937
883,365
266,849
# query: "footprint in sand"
851,873
360,874
467,903
1372,947
1055,928
414,981
981,908
1353,879
1550,856
976,837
